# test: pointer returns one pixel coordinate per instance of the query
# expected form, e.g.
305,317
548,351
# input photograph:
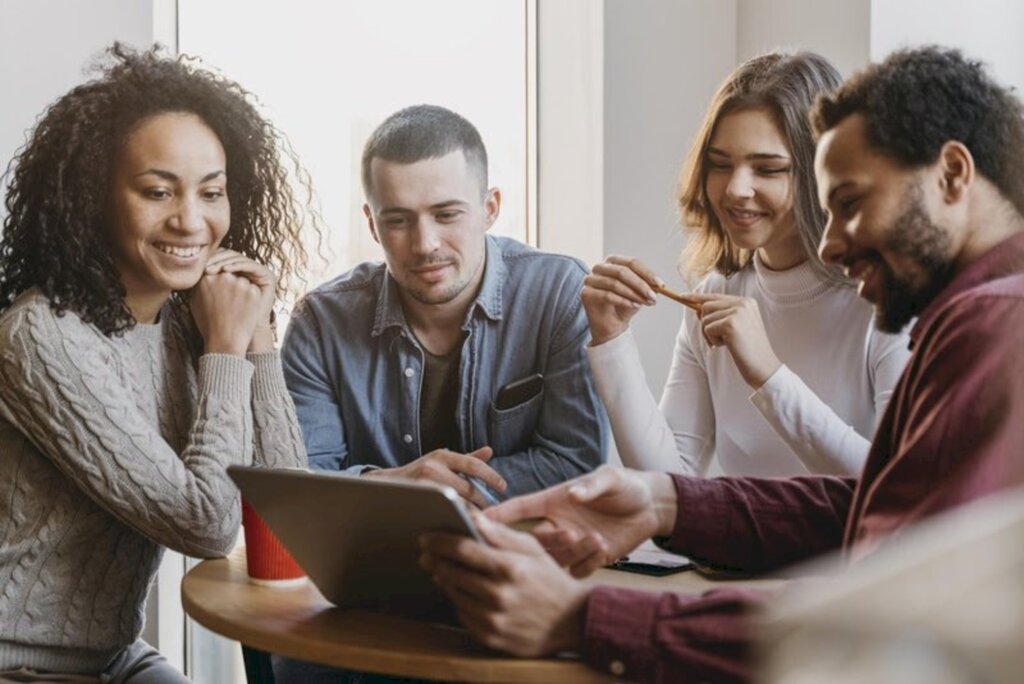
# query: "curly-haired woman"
147,216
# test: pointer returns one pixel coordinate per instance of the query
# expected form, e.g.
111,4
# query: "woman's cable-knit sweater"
111,449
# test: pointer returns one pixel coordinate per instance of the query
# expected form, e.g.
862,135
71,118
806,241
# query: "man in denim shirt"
397,369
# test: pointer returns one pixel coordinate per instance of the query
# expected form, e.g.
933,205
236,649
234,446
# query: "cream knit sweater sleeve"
64,386
278,439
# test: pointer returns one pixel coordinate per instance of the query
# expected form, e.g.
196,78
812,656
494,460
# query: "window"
328,73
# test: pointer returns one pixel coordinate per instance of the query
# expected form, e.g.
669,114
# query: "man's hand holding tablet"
510,593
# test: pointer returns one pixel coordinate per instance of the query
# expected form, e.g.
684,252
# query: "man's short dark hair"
425,132
917,100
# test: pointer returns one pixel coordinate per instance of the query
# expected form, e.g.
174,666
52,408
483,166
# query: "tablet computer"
355,537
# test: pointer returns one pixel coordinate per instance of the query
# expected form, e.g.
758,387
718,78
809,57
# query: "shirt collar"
389,312
1004,259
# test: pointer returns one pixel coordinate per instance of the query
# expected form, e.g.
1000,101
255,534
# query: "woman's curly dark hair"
55,235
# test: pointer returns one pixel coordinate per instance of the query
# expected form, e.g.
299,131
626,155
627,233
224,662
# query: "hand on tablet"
447,468
597,518
509,593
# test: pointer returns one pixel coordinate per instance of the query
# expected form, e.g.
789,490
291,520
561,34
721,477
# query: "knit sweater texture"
112,449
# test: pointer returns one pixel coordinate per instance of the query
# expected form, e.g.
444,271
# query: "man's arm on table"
759,524
752,524
664,637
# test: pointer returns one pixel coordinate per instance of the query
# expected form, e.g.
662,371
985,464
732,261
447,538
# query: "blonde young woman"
782,371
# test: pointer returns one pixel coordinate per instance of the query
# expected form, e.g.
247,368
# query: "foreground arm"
513,597
751,524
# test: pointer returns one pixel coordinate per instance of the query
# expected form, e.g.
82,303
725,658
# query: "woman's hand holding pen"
736,323
613,293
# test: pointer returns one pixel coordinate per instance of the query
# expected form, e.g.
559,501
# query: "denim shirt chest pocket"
511,430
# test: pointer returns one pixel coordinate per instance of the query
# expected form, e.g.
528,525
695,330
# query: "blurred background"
587,109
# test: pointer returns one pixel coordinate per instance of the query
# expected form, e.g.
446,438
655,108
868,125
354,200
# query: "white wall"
836,29
45,46
985,29
664,59
570,127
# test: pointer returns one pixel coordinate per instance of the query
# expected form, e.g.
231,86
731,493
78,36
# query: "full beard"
920,241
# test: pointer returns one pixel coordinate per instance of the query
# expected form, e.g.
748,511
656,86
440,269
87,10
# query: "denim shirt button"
407,439
409,372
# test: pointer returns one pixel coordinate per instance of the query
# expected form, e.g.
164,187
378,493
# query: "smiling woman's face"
749,184
170,207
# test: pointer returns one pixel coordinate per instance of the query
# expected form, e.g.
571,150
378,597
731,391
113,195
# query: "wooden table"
300,623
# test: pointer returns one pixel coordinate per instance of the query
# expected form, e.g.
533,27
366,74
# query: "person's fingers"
577,549
470,610
476,618
250,269
528,506
220,257
465,580
716,303
474,467
591,563
227,284
452,548
719,331
611,298
438,471
552,536
717,316
638,267
504,537
484,453
593,486
622,280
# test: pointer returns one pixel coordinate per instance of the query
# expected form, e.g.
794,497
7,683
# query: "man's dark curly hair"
55,235
918,99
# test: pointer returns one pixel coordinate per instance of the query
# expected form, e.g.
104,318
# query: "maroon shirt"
953,433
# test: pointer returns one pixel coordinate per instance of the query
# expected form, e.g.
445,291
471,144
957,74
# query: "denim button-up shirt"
354,369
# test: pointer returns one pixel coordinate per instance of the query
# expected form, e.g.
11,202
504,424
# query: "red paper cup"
268,562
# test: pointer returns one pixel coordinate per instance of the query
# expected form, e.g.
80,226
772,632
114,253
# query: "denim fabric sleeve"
316,403
572,432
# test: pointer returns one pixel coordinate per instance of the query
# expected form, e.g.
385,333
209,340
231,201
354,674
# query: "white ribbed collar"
791,286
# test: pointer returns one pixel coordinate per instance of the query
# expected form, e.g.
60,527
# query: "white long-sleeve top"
816,413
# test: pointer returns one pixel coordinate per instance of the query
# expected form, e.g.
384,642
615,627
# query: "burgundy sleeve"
642,636
759,524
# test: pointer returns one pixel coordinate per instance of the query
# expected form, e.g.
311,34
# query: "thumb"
595,485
